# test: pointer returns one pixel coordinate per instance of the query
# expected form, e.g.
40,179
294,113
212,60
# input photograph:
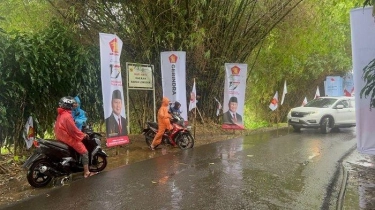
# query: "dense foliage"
41,61
301,50
36,71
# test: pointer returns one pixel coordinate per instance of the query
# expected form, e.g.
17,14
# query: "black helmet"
177,104
67,102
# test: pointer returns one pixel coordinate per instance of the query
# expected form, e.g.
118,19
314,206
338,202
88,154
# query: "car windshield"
321,102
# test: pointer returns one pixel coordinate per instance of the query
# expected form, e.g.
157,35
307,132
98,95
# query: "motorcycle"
179,135
53,159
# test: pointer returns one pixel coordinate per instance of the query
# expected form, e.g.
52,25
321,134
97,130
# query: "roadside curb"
344,182
339,180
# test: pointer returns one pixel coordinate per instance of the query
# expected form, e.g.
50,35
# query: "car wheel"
296,129
326,125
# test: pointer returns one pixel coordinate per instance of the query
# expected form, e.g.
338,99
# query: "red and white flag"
285,91
317,94
347,93
193,98
304,102
274,102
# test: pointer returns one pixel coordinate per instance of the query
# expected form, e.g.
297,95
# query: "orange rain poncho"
163,122
67,132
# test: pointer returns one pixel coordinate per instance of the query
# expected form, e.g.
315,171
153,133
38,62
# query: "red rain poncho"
67,132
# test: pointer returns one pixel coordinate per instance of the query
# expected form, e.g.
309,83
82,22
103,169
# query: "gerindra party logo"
234,80
173,58
114,66
114,46
235,70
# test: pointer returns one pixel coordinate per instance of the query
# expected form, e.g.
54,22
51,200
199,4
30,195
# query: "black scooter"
53,159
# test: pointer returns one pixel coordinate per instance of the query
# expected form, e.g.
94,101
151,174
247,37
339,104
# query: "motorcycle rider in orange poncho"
164,123
66,131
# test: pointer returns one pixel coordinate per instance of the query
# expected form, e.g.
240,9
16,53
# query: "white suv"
325,113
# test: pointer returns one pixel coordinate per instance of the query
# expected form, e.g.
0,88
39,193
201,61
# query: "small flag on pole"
317,94
274,102
285,91
218,107
352,92
304,102
29,133
193,98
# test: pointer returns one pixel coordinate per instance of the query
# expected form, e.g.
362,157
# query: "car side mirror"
340,106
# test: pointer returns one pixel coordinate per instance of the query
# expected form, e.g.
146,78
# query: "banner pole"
277,121
195,112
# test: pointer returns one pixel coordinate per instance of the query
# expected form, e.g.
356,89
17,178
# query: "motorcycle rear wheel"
99,162
149,137
185,141
35,177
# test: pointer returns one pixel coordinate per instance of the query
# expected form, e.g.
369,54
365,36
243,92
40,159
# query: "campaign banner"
348,85
333,86
112,90
234,95
173,71
363,51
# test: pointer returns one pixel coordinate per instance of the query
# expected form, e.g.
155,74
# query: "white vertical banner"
234,95
304,102
193,98
363,51
29,132
285,91
334,86
112,90
348,85
173,71
274,102
317,93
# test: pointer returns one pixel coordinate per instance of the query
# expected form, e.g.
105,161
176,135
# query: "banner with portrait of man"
234,95
112,90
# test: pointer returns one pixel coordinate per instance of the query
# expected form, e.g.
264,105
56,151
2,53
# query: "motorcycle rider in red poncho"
67,132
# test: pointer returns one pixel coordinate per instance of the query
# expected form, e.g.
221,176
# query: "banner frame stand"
139,88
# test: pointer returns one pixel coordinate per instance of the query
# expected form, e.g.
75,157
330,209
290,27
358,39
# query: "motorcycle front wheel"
36,175
99,162
185,141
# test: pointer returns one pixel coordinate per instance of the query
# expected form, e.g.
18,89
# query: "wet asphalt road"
260,171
